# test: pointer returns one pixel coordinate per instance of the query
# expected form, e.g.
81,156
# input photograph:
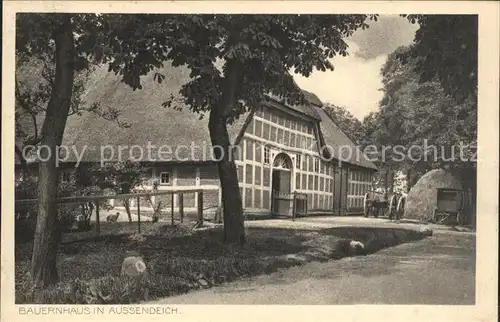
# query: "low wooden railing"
298,200
97,199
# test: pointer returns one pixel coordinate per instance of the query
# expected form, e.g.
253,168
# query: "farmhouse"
279,149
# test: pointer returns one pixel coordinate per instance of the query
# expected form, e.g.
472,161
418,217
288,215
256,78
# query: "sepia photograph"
164,159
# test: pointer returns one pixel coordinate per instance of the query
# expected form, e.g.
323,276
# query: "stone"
347,247
356,247
203,282
134,266
426,231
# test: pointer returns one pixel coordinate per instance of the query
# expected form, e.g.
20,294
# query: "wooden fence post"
97,219
200,207
272,203
172,207
139,213
181,206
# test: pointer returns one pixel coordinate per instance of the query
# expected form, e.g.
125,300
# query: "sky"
355,82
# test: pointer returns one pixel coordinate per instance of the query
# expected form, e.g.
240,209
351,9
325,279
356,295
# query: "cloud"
384,36
356,81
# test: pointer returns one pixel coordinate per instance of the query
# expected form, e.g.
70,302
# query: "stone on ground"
134,266
426,231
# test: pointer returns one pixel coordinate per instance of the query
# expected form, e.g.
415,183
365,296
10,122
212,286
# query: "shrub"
105,290
169,276
25,220
26,214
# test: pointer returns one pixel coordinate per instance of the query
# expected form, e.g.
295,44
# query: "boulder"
356,247
134,266
346,247
203,283
426,231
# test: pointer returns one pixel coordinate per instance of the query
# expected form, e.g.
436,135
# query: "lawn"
180,260
193,259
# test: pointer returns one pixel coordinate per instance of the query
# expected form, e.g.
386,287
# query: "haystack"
422,198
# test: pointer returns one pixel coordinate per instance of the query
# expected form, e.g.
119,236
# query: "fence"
282,204
99,202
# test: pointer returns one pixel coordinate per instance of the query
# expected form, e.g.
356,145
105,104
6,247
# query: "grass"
169,252
178,259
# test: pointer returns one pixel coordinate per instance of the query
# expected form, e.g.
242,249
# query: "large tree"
42,36
412,111
58,43
447,46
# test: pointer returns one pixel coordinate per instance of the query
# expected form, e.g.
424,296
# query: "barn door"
281,192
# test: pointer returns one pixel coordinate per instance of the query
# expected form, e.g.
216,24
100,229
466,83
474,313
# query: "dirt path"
436,270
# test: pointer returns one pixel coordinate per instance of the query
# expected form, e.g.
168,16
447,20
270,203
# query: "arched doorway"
281,185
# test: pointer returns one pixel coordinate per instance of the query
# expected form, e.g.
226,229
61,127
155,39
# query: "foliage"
26,214
448,47
263,49
155,205
416,113
121,176
347,122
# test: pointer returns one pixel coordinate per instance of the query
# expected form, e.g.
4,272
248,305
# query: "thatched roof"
307,110
339,144
148,123
422,198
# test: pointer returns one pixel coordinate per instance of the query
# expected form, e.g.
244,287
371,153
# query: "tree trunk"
391,181
126,204
47,232
234,229
469,182
408,181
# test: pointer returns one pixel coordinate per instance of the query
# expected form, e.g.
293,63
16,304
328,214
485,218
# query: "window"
267,155
258,128
165,178
316,165
298,161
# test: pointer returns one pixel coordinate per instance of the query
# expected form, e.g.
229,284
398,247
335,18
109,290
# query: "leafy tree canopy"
259,51
413,111
447,48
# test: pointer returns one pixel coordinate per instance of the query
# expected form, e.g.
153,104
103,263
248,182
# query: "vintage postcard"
264,160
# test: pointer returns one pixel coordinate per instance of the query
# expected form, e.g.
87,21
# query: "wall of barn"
360,181
181,176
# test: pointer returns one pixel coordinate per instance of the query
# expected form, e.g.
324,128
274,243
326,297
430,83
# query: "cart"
377,203
450,205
